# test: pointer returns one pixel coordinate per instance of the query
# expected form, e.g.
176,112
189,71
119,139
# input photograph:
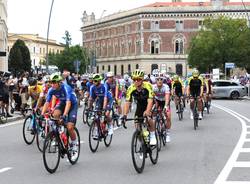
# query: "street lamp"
47,42
93,63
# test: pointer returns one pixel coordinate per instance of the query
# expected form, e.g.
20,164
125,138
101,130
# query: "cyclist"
34,91
162,100
177,90
103,98
195,89
142,92
210,89
67,107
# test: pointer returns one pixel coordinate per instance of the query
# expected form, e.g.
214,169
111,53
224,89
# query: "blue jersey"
89,84
111,87
64,94
100,92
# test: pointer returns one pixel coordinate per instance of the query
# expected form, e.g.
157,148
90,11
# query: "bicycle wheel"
158,129
28,132
153,151
85,116
138,151
195,114
40,138
163,133
107,137
51,152
179,111
94,136
73,155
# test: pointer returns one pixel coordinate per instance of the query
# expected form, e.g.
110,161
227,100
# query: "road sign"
229,65
2,53
77,65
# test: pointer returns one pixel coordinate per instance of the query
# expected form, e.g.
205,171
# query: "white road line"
5,169
11,124
82,142
222,178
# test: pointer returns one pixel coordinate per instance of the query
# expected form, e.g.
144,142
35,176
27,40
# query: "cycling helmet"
195,73
90,76
84,77
126,77
175,77
110,74
138,74
97,77
56,77
32,81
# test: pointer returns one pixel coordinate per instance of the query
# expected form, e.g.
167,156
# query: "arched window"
155,47
108,68
129,68
179,45
179,69
122,70
103,67
97,69
115,70
153,67
136,66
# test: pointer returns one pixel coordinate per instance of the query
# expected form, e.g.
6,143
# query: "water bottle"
63,136
146,135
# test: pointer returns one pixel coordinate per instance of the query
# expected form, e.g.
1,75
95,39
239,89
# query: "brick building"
154,36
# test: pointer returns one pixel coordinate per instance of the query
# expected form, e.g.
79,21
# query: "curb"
14,119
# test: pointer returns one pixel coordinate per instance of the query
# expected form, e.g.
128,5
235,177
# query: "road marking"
5,169
232,161
11,124
82,142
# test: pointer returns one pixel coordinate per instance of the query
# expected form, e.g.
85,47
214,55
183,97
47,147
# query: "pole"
47,42
246,12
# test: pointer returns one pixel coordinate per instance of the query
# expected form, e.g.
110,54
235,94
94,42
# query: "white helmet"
126,77
110,74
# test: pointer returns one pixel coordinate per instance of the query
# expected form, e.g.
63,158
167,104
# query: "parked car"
228,89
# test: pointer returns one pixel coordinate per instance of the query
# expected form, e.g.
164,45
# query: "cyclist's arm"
116,91
67,108
45,107
126,108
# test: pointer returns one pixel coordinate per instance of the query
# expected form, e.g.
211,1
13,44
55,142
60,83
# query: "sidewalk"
246,97
16,116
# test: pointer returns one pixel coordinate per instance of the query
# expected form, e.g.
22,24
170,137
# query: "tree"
220,42
65,60
19,58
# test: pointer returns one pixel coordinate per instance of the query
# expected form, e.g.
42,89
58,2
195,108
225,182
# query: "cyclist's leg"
72,117
108,118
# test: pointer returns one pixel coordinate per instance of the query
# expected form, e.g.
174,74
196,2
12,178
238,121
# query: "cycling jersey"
141,96
111,87
35,89
195,85
159,93
64,93
89,84
99,92
177,87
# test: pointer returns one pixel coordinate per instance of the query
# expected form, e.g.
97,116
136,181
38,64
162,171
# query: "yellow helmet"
195,73
137,74
176,78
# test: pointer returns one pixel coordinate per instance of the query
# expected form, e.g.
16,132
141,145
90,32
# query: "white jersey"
160,92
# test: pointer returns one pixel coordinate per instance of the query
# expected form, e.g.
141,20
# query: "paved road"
193,157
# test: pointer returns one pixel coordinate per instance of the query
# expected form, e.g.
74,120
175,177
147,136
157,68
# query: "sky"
31,16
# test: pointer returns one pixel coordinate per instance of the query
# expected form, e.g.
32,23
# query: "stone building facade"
37,47
155,36
3,36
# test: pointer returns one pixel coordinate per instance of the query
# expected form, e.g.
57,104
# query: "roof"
179,4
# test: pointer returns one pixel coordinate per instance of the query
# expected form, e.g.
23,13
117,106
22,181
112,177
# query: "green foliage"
19,57
224,40
65,60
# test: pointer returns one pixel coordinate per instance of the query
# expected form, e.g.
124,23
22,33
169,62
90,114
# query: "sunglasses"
137,79
95,81
54,82
159,79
